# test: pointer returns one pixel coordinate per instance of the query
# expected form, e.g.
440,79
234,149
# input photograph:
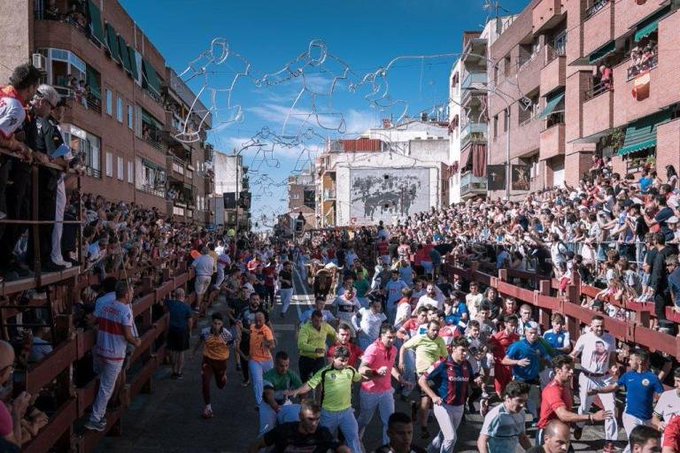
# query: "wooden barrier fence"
58,369
543,300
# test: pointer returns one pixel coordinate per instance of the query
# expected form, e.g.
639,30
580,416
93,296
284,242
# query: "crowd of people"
387,316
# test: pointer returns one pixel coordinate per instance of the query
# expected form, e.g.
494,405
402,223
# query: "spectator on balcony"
52,12
24,83
10,419
606,75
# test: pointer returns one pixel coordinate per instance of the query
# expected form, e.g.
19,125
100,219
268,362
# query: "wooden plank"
521,294
657,341
86,395
143,304
49,368
90,439
52,432
86,340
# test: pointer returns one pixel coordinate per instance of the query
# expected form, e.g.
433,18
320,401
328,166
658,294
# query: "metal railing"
595,8
639,69
598,89
472,184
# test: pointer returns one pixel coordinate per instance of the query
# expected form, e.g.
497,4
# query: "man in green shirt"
275,405
312,344
429,348
335,381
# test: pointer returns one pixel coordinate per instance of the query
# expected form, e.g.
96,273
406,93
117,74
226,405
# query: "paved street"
169,420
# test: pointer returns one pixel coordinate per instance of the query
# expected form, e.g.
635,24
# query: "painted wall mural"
387,194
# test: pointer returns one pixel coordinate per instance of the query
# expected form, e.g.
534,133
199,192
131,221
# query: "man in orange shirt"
260,360
217,340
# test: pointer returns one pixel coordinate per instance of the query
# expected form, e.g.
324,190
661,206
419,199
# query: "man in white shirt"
598,353
431,298
473,299
668,405
203,266
367,322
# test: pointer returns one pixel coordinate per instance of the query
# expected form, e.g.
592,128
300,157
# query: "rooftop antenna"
494,8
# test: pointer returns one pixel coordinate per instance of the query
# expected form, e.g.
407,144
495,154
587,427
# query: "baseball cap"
531,325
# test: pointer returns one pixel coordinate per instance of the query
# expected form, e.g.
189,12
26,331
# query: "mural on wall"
520,177
377,194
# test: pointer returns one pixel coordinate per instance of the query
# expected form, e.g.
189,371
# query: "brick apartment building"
125,122
580,77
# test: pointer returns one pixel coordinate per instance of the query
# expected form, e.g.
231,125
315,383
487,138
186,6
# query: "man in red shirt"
557,399
671,437
344,339
499,344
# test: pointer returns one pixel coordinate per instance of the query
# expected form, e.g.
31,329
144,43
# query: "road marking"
286,327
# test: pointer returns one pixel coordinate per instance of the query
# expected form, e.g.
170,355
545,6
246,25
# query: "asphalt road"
169,419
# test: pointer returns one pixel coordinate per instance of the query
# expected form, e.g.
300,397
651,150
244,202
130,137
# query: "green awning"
641,134
151,79
133,63
93,82
602,52
147,118
124,53
643,32
96,22
551,106
112,41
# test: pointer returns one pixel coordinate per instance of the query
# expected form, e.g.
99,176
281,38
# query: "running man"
216,340
452,377
504,427
377,365
598,353
335,381
275,405
312,345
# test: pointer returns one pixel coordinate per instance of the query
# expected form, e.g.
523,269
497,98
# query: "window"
121,169
119,109
506,120
507,64
495,127
138,121
109,165
131,172
65,70
131,117
109,102
86,145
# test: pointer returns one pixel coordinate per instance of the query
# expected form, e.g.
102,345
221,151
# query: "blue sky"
357,38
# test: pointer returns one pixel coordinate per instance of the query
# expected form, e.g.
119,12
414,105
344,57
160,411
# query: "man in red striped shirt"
115,325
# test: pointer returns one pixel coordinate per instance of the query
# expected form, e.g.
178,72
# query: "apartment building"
582,78
302,197
468,113
126,106
387,174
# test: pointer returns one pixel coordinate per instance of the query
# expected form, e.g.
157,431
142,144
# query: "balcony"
546,14
554,74
475,52
474,80
151,190
473,132
472,185
176,168
153,137
552,141
628,14
598,29
599,104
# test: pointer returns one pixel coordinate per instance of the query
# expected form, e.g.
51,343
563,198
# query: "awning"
643,32
133,63
641,135
151,79
112,42
551,106
93,82
124,53
602,53
96,22
465,156
651,24
479,159
150,120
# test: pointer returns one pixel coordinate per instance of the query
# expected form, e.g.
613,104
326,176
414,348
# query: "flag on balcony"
479,159
641,87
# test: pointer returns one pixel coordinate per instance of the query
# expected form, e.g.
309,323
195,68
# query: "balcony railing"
94,172
595,8
599,88
641,68
153,137
470,184
77,19
554,52
473,80
329,194
152,190
473,132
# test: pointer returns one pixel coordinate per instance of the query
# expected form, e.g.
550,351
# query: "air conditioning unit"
38,60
